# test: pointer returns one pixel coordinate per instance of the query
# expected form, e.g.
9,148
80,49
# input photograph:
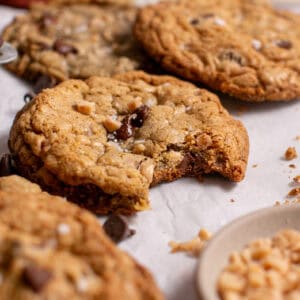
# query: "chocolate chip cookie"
103,142
75,39
243,48
52,249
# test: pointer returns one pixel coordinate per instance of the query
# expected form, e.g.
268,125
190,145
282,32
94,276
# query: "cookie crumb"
297,179
192,247
292,166
294,192
298,137
232,200
290,153
85,107
254,166
63,229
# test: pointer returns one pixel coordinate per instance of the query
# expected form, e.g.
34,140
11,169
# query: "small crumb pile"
290,153
194,246
267,269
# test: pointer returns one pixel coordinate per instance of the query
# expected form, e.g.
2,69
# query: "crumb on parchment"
192,247
290,153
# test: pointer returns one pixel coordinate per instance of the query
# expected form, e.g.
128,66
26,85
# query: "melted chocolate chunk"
140,115
43,82
117,228
194,21
6,165
36,277
126,130
64,48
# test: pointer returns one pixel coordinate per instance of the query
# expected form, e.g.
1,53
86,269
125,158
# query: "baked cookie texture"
75,39
246,49
103,142
52,249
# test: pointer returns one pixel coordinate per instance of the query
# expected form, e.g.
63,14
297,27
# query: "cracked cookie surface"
243,48
103,142
52,249
75,39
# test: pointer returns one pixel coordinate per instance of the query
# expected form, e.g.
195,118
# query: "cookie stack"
116,121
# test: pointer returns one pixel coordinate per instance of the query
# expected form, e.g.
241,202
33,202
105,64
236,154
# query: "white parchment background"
181,208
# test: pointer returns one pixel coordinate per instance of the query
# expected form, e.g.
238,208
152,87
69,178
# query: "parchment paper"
181,208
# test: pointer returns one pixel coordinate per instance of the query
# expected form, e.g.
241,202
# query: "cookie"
75,39
52,249
246,49
104,141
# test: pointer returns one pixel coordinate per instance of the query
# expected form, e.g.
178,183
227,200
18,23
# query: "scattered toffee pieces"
36,277
28,97
297,179
117,228
194,246
294,192
290,153
6,165
43,82
64,48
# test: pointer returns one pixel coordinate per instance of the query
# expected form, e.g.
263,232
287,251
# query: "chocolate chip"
47,20
126,130
194,21
28,97
140,115
6,165
43,82
232,56
64,48
36,277
117,228
284,44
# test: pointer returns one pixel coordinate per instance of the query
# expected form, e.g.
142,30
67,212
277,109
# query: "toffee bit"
290,153
192,247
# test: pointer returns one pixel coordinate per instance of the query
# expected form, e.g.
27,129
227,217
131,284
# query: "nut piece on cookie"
107,160
52,249
246,49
